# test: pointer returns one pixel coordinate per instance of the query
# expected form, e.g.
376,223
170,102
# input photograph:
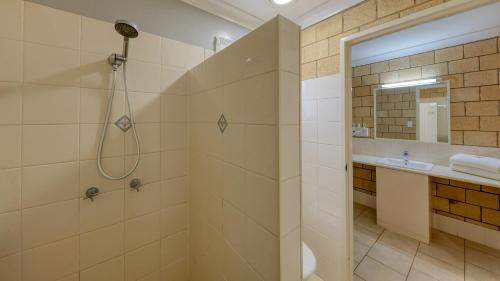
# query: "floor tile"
358,209
372,270
392,257
482,248
357,278
365,236
448,240
475,273
368,220
437,269
405,244
483,260
449,255
360,250
417,275
387,256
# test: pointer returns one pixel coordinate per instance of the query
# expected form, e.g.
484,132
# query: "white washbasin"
414,165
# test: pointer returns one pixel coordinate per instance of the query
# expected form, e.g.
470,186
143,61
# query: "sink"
414,165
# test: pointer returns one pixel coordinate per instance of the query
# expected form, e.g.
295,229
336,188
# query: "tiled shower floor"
380,255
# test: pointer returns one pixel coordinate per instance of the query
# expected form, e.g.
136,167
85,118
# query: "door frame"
440,11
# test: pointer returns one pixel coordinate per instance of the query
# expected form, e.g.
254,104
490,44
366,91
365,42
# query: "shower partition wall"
245,159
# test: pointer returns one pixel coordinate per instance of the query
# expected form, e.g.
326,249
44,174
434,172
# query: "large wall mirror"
413,112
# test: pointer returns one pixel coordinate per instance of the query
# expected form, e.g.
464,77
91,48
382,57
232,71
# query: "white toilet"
308,262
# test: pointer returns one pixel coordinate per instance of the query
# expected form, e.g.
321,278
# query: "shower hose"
106,125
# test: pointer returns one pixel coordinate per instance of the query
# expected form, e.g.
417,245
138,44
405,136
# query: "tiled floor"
380,255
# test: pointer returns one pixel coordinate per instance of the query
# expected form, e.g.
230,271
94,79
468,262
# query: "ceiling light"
409,83
281,2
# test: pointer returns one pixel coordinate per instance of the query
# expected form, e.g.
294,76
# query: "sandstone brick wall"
395,108
364,178
478,204
320,42
473,72
471,68
473,203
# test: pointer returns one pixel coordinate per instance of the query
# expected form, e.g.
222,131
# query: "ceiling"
470,26
253,13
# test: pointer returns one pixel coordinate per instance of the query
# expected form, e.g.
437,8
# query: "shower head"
126,28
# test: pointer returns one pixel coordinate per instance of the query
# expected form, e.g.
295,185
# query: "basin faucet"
406,156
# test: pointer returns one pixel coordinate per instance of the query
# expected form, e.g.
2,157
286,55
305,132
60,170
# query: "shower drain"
124,123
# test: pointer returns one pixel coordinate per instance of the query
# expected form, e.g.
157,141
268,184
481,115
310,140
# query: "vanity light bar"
409,83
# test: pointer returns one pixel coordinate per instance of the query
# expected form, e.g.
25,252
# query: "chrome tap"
406,156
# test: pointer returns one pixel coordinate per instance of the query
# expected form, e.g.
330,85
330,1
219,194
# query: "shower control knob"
135,184
91,193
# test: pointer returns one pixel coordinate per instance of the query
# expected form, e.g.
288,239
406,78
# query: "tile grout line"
369,249
79,147
21,170
412,262
378,237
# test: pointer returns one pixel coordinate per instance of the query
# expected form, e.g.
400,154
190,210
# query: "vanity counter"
437,171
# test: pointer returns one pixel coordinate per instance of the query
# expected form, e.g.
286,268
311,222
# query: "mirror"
418,113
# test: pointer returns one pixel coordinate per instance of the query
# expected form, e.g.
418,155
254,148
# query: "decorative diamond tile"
124,123
222,123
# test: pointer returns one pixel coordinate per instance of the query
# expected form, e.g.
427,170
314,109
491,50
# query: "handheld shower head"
128,30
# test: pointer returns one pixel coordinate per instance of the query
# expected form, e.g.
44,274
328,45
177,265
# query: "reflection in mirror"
413,113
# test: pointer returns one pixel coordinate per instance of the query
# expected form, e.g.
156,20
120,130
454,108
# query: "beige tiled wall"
473,72
245,182
321,41
54,84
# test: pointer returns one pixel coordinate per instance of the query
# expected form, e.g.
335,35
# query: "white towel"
476,172
488,164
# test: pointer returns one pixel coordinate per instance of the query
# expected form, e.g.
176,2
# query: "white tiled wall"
54,82
245,183
323,182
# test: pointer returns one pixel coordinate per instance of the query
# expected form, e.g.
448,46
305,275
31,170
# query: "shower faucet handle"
91,193
136,184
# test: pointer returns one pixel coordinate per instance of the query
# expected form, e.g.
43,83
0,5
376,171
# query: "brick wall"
320,42
478,204
472,69
473,203
395,108
364,178
473,72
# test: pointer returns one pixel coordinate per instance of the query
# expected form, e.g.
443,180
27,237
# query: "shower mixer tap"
135,184
91,193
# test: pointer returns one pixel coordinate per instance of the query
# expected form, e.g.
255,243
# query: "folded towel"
476,172
488,164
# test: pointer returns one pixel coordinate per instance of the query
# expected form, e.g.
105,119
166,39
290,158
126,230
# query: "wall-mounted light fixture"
409,83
